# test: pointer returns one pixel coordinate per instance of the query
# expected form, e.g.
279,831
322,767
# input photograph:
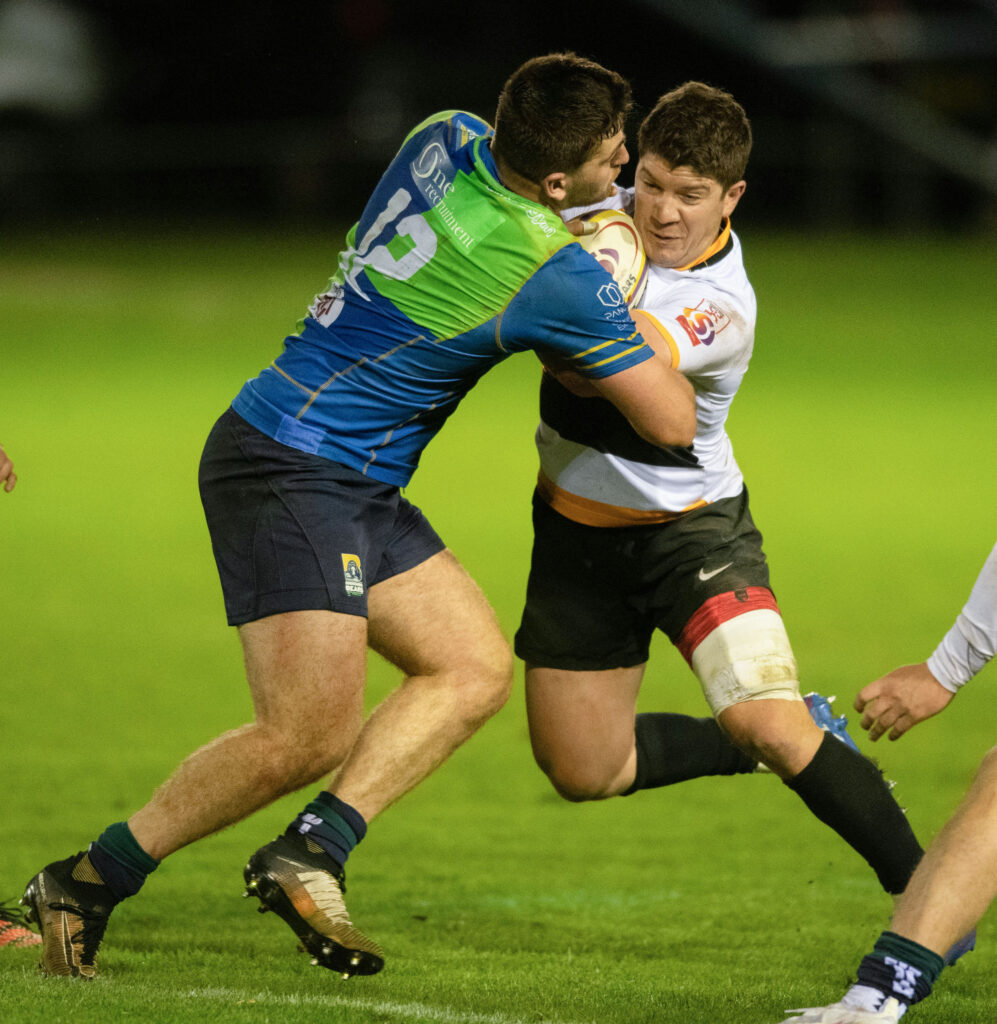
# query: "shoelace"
13,914
94,925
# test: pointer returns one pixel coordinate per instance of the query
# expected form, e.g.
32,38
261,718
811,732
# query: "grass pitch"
863,430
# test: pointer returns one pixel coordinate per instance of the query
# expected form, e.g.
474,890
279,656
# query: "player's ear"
732,196
554,187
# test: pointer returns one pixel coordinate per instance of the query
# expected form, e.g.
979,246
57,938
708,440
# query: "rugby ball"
611,236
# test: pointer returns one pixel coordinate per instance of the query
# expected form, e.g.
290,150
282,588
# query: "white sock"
865,997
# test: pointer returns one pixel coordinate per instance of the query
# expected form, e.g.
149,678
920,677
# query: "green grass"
863,429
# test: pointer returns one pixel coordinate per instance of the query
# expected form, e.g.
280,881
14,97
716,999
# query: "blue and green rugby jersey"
446,273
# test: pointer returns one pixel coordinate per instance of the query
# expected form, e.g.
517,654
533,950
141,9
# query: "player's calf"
778,733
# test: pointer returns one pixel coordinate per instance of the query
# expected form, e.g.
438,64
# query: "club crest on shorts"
352,575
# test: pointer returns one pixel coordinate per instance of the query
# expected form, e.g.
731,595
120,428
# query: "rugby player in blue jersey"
459,259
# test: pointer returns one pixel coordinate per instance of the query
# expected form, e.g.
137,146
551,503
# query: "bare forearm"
658,402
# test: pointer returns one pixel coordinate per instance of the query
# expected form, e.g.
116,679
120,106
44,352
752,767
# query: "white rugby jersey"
972,641
594,468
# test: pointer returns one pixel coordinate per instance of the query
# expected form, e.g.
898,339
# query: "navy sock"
901,968
332,824
847,792
120,861
673,748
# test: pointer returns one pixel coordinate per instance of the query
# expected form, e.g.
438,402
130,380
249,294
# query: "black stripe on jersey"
716,257
597,423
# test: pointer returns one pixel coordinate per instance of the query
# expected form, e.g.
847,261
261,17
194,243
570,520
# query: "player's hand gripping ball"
611,236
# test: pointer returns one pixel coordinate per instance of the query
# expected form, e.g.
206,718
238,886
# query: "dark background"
287,110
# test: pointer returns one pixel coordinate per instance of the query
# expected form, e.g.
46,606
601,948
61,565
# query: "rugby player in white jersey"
630,537
957,880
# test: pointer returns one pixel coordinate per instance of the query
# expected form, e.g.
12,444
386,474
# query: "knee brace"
747,657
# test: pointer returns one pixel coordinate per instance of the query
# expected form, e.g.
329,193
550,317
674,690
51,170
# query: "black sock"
330,823
901,968
847,792
674,748
120,861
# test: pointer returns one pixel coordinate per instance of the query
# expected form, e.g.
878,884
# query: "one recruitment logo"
433,173
352,575
433,163
703,322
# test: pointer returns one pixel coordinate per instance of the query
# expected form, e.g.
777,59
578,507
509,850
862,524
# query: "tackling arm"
658,401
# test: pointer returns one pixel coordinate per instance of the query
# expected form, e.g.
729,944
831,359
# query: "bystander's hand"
900,699
8,478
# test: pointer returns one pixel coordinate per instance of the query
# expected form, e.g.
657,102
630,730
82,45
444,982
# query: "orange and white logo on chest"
703,322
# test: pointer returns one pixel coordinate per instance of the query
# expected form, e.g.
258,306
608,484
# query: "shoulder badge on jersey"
703,322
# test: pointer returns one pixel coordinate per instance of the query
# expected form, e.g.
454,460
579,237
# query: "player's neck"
515,182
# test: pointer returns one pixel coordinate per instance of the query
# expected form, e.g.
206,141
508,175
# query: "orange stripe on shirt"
590,512
663,331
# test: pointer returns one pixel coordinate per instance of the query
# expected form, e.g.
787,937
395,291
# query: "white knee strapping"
747,657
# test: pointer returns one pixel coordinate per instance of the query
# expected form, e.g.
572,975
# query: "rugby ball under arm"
611,236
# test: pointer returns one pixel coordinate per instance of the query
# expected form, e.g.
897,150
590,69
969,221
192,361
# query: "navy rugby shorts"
596,594
292,531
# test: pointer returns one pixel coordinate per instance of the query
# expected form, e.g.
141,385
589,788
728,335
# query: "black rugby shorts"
596,594
292,531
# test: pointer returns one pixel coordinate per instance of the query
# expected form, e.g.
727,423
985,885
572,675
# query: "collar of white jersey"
721,245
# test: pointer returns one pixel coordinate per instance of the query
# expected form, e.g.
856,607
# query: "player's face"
677,212
593,181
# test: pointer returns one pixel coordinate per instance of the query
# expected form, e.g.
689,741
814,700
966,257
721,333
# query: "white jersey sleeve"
972,640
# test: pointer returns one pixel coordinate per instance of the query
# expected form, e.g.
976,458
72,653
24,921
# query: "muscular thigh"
582,723
306,669
432,618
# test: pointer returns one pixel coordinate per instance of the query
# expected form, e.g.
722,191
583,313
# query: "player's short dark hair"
701,127
555,111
